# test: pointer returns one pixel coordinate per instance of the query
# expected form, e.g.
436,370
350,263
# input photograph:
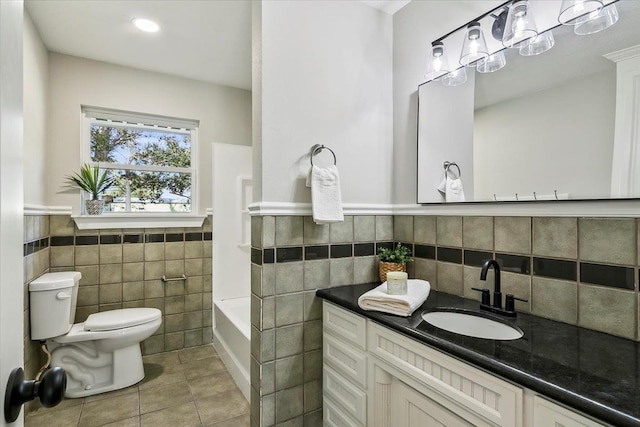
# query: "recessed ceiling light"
146,25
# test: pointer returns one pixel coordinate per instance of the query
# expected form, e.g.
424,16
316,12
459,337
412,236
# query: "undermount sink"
471,324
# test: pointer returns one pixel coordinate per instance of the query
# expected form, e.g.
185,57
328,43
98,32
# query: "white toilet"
103,353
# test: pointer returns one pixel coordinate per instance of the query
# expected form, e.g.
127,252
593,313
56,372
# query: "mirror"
564,124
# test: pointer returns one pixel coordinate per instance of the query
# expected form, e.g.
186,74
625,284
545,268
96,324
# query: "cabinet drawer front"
496,401
333,416
352,399
347,360
548,414
347,326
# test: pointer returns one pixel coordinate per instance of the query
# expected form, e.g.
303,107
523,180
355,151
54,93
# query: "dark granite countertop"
593,372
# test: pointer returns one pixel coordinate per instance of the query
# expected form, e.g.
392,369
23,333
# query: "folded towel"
326,198
452,189
402,305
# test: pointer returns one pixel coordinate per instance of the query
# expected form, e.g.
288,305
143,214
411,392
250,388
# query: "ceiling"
208,40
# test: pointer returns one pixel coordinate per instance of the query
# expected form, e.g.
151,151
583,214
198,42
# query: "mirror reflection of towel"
452,189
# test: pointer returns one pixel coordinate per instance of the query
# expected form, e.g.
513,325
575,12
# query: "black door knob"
50,389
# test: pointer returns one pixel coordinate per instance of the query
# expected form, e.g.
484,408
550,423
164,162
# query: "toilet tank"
53,298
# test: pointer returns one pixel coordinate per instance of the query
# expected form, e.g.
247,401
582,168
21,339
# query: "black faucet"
509,307
497,295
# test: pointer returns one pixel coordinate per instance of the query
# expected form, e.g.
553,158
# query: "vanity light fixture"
520,25
455,78
538,44
571,10
474,47
437,64
492,63
146,25
597,20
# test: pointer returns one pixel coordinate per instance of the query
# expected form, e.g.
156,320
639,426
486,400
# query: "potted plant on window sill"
393,259
90,180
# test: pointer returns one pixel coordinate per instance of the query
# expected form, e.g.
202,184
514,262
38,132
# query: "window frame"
131,120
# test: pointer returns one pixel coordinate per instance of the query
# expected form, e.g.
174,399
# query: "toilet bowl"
99,355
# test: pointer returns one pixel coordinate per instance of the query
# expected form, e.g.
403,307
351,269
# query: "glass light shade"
474,47
571,10
597,20
492,63
520,26
538,44
437,63
455,77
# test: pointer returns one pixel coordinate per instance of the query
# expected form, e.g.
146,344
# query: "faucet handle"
486,296
510,304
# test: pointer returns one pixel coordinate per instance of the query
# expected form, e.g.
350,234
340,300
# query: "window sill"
137,220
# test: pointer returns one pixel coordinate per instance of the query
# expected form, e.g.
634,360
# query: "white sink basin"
472,325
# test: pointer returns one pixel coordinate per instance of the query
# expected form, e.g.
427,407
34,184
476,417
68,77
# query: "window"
151,157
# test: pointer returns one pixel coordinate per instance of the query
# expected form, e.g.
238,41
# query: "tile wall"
123,269
291,258
581,271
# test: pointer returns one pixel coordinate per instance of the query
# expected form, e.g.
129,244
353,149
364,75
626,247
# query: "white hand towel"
326,198
402,305
452,189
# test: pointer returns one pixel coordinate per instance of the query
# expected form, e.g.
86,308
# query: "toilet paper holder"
50,390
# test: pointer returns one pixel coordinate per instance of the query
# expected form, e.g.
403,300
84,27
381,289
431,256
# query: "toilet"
99,355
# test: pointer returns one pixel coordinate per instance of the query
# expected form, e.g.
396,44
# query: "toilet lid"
118,319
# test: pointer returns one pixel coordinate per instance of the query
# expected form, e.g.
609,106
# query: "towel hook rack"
317,149
448,164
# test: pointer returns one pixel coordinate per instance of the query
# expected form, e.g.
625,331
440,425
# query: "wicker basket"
385,267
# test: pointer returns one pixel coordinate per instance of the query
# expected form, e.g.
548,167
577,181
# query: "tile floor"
181,389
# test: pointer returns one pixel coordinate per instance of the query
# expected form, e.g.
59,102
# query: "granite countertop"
593,372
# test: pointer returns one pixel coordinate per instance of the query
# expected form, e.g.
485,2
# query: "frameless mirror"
564,124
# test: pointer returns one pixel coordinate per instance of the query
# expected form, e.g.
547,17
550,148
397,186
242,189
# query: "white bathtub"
232,338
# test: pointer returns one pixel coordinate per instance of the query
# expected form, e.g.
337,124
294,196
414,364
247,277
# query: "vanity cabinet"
374,376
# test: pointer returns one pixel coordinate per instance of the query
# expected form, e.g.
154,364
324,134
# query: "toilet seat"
119,319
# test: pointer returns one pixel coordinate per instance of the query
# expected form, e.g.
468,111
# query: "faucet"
497,295
485,304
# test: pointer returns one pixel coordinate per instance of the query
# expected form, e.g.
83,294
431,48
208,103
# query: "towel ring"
317,149
448,164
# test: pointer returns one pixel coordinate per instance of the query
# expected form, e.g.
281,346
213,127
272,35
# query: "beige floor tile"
67,417
211,384
129,422
203,367
65,404
162,397
164,359
185,415
115,393
222,407
197,353
242,421
106,411
156,376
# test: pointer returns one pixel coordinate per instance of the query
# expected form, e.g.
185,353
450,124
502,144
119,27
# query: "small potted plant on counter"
90,180
393,259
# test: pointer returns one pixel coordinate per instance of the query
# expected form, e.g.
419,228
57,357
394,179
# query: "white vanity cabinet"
374,376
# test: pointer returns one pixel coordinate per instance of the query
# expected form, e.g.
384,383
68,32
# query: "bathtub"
232,338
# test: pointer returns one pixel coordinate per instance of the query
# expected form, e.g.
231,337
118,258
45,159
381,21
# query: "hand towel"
402,305
452,189
326,198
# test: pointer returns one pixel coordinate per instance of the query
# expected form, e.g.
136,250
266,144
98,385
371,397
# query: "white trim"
209,211
46,210
140,220
624,54
590,208
129,116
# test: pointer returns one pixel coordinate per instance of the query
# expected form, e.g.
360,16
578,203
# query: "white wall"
326,79
35,88
568,148
415,26
224,113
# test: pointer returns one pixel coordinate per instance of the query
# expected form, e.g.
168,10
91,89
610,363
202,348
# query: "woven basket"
385,267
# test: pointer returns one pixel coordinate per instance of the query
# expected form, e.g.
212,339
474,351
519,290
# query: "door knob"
50,389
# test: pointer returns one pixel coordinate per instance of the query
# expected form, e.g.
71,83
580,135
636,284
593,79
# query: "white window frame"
118,118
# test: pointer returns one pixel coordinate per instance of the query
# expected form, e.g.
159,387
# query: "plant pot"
385,267
94,207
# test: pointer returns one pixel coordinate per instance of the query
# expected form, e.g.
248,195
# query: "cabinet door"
413,409
548,414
